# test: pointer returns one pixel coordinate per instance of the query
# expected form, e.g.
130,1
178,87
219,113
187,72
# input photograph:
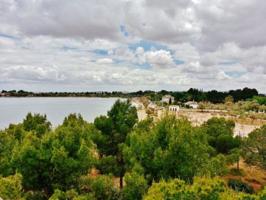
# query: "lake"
14,110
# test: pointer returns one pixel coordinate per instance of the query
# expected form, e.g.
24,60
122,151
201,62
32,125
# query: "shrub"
240,186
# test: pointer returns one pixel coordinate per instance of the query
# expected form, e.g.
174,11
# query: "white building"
174,108
168,99
192,104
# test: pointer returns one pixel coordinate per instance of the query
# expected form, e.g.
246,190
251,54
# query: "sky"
130,45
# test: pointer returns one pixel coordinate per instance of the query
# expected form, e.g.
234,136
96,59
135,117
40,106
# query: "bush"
240,186
101,187
136,186
11,187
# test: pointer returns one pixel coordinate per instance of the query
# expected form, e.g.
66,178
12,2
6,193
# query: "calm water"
14,110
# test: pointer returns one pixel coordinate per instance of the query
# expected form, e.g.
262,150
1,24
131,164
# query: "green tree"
56,159
260,99
171,190
168,148
7,143
37,123
229,100
254,147
136,186
114,130
14,135
100,187
220,135
201,189
70,195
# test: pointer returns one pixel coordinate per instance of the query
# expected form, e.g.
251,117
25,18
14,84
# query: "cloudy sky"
128,45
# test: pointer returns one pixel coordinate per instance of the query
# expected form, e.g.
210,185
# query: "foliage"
114,130
220,135
240,186
11,187
260,99
201,189
7,143
192,94
89,188
164,159
67,152
171,190
216,166
108,165
219,126
169,148
136,186
262,194
229,100
254,147
100,187
70,195
37,123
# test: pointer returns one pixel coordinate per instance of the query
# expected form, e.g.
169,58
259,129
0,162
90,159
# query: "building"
174,108
168,99
192,104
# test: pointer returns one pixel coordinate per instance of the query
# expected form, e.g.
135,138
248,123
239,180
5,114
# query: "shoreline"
61,97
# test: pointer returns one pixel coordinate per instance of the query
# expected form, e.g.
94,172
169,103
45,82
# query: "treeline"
119,158
212,96
22,93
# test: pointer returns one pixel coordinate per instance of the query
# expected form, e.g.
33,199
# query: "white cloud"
104,61
80,44
160,58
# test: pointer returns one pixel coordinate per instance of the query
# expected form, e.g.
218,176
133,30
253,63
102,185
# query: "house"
168,99
174,108
192,104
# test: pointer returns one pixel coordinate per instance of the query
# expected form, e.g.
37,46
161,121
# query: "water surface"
14,110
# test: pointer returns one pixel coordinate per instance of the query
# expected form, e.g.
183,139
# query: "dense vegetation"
117,157
212,96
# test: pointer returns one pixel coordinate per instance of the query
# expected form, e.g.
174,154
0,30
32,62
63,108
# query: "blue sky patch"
235,74
101,52
69,48
179,62
8,36
118,61
147,45
124,31
143,66
228,62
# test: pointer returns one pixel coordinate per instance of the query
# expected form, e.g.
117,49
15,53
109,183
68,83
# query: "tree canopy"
254,147
202,189
167,158
169,148
114,130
